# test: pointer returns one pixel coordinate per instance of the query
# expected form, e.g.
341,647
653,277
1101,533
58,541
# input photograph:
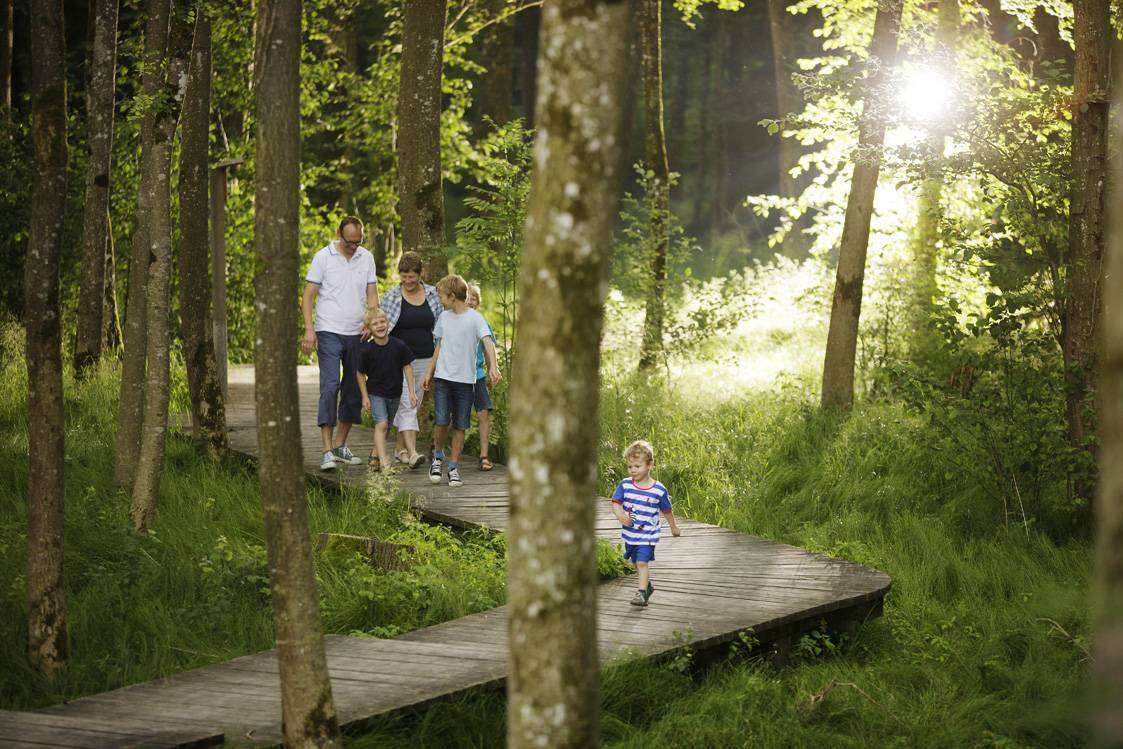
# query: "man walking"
342,284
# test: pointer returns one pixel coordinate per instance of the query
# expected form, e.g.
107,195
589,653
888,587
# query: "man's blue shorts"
637,553
453,403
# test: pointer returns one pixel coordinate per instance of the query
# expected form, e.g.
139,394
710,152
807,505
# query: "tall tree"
781,25
1084,276
154,426
130,408
307,708
926,235
7,46
497,43
650,14
553,687
420,189
101,89
46,599
846,309
208,411
1107,584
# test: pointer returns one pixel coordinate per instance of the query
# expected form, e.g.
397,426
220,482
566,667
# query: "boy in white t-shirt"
452,372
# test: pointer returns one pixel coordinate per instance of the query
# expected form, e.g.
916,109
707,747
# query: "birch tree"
846,308
102,83
46,599
553,688
420,187
208,411
307,708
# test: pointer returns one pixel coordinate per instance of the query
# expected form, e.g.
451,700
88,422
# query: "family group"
419,338
392,350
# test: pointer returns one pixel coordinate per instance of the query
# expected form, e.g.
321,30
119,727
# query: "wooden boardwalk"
711,585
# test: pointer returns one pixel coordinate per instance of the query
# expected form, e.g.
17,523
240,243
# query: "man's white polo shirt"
342,299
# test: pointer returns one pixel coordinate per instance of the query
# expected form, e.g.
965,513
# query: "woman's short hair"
410,263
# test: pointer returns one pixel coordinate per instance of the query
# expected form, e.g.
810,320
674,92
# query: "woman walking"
412,309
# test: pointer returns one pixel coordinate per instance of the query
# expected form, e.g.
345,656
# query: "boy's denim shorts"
383,409
453,403
637,553
481,396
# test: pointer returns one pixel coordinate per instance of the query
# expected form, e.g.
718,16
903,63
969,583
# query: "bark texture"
788,101
650,14
553,689
1084,275
308,711
846,308
7,45
95,216
208,411
46,599
420,189
130,408
154,426
497,83
1107,584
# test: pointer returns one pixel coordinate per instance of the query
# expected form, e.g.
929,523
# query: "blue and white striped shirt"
644,506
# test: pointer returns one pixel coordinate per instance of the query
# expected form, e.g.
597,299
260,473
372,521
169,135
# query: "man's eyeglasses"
349,243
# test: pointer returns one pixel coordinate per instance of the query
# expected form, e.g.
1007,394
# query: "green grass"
983,640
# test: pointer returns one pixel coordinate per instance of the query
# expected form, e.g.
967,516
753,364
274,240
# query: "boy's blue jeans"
334,350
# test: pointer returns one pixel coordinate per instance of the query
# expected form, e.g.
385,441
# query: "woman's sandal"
486,464
402,456
374,464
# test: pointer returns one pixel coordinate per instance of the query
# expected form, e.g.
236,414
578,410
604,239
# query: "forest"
850,267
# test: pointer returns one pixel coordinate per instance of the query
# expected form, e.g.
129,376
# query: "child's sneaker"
327,463
344,455
640,598
435,471
650,590
454,477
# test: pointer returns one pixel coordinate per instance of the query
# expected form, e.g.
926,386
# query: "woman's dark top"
415,328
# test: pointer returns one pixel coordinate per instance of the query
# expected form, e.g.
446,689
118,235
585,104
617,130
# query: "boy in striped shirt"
637,502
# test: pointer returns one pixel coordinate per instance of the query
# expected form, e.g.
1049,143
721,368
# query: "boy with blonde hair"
452,372
637,502
481,395
383,363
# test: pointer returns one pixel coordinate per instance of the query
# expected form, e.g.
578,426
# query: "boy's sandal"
374,463
486,464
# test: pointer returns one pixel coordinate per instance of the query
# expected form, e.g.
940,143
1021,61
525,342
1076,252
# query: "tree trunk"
1107,583
421,195
7,46
926,236
497,82
154,426
553,689
111,331
655,150
208,411
95,223
1084,274
130,409
788,101
307,708
846,309
529,24
46,598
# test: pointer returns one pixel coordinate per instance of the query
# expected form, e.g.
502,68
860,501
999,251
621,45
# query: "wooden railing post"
218,274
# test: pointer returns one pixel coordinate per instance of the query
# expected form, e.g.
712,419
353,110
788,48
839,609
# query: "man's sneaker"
435,471
454,477
327,463
344,455
640,598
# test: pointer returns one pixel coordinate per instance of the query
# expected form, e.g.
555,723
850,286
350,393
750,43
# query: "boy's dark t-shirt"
383,366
